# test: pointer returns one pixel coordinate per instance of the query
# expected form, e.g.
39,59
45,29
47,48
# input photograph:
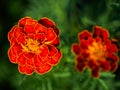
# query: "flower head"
95,51
33,45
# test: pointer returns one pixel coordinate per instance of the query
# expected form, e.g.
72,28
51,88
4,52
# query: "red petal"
50,35
114,41
55,42
21,38
29,29
21,60
17,31
31,22
55,59
84,35
11,56
43,51
56,30
22,69
111,48
92,64
114,66
29,55
45,59
44,69
84,44
22,21
104,34
30,62
85,54
40,36
76,48
16,49
96,31
31,35
29,71
11,33
52,50
98,39
37,61
46,22
112,58
95,72
80,59
80,66
40,28
105,65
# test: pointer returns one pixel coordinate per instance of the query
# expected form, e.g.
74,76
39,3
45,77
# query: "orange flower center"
31,45
97,51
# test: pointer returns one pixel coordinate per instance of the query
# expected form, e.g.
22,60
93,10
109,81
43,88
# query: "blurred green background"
71,16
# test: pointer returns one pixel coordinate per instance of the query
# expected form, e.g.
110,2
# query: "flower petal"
85,53
22,69
111,57
16,49
52,50
114,48
17,31
43,51
31,35
21,38
91,63
46,22
11,56
84,35
29,29
29,55
111,48
21,60
44,69
76,48
40,36
114,41
55,59
28,70
50,35
95,72
80,66
104,34
80,59
57,31
22,21
31,21
37,61
113,66
30,62
96,31
40,28
84,44
11,33
105,65
55,42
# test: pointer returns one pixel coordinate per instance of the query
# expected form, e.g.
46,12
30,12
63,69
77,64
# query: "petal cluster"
95,51
33,45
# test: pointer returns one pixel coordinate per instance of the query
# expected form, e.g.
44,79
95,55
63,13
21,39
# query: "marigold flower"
33,45
95,51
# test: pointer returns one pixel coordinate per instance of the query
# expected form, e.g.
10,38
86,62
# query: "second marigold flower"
95,51
33,45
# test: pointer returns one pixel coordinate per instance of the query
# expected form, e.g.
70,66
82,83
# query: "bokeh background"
71,16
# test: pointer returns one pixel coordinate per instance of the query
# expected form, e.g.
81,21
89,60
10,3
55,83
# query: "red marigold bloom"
95,51
33,45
